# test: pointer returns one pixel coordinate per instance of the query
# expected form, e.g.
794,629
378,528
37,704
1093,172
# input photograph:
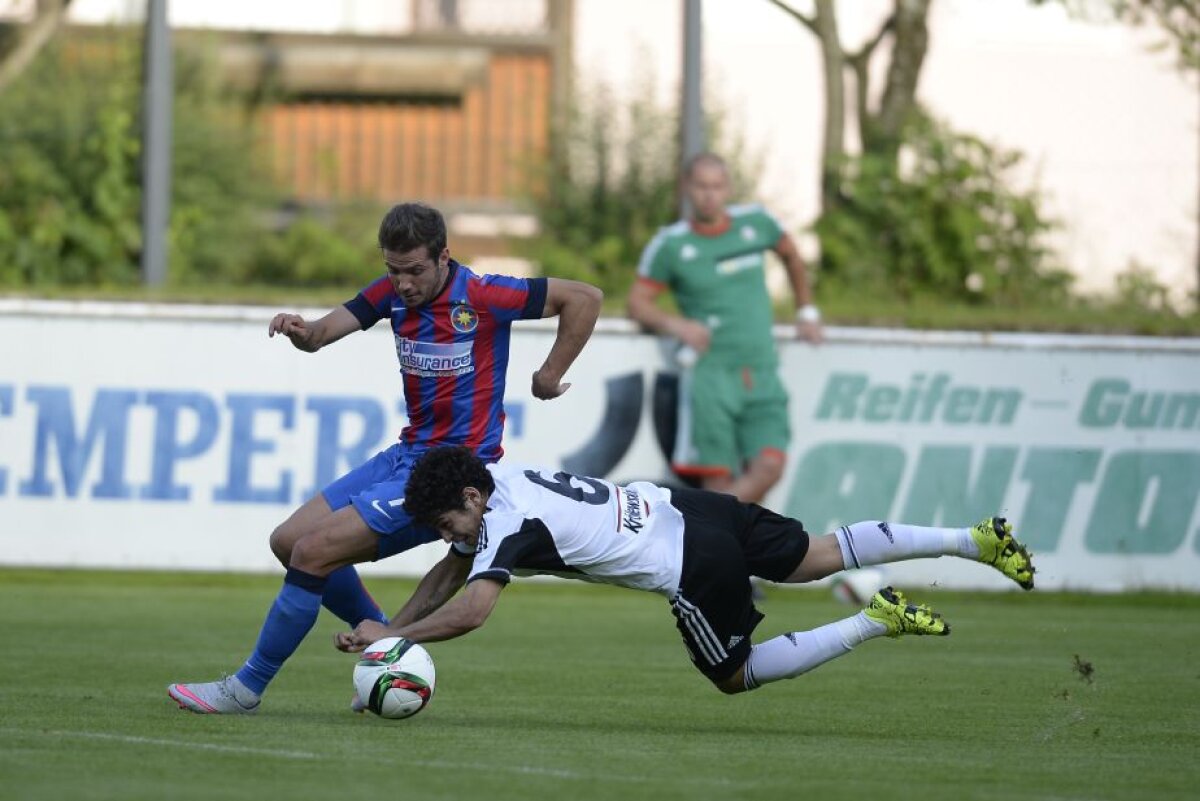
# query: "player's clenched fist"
365,633
546,385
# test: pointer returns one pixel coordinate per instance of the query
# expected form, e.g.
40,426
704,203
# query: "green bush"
1138,287
612,183
609,189
70,182
948,225
70,194
313,251
221,190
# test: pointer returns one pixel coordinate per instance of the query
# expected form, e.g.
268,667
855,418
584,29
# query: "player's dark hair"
705,157
409,225
438,479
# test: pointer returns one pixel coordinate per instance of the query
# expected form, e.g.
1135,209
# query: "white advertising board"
179,437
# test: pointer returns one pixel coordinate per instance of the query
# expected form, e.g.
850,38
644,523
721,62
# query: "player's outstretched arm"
436,587
464,614
311,337
577,307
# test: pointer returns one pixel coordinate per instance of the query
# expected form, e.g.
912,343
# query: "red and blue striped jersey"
453,354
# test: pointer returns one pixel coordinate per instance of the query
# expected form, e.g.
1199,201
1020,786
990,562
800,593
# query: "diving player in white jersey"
696,548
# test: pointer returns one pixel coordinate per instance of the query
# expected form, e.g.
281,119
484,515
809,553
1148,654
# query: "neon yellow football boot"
893,610
1000,549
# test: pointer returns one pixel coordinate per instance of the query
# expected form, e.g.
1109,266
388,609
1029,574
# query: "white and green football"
394,678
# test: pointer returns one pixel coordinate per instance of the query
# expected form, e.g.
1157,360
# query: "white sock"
873,542
789,655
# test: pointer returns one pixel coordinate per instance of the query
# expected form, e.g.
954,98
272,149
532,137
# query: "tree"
70,180
611,181
21,44
944,223
880,127
1178,19
948,225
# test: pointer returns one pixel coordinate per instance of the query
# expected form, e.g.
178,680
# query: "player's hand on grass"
546,385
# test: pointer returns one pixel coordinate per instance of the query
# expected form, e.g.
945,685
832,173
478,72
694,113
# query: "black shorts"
725,542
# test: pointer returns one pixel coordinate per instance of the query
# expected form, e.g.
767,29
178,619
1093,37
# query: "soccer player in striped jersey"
697,548
451,329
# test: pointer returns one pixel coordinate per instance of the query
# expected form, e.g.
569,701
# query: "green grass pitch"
580,692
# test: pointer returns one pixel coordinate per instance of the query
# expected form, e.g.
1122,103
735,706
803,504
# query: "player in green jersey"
733,428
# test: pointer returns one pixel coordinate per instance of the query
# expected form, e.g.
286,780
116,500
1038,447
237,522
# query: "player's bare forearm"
797,270
464,614
655,319
435,588
577,306
445,624
642,307
808,318
311,337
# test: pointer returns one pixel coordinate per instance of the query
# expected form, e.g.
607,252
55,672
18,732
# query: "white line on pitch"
528,770
128,738
559,773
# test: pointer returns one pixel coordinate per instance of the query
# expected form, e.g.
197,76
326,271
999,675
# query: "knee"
310,554
733,684
282,540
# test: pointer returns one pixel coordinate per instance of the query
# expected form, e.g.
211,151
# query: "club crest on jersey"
463,318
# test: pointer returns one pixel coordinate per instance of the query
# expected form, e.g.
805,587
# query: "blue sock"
347,598
289,621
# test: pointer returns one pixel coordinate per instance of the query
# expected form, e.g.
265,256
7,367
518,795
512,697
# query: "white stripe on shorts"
702,634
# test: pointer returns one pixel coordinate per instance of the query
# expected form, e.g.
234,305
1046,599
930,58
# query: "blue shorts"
376,489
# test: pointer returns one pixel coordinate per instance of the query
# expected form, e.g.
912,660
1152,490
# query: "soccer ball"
394,678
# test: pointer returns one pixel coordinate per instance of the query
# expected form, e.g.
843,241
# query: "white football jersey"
543,521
